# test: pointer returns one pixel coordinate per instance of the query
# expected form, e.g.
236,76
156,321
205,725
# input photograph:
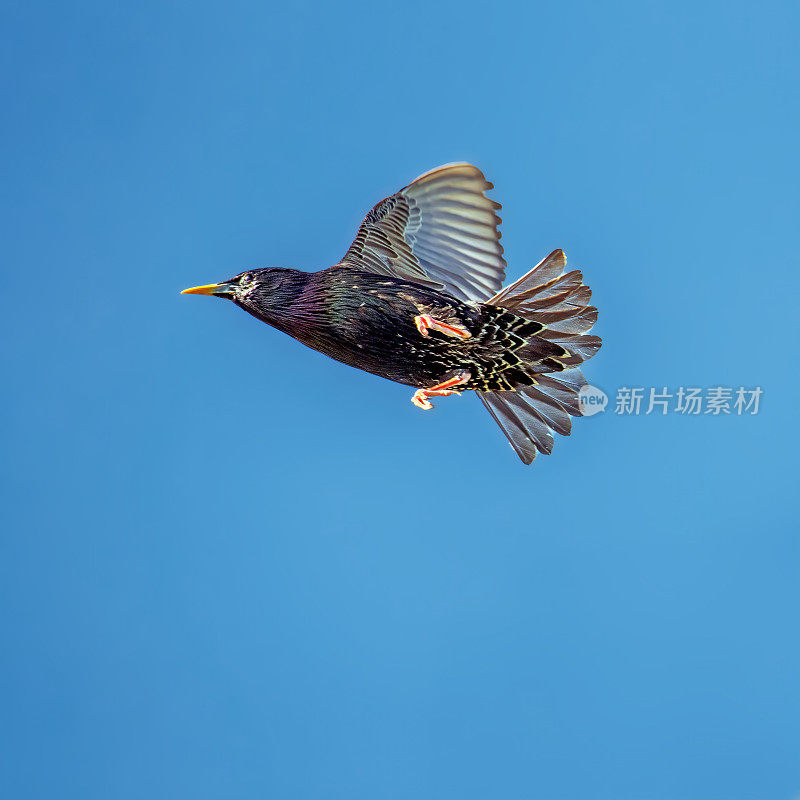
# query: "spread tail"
559,301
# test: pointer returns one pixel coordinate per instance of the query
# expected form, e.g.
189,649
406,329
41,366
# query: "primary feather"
440,230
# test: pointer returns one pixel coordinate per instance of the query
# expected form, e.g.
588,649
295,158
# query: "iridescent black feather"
433,249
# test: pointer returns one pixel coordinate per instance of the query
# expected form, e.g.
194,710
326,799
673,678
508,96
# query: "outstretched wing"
440,230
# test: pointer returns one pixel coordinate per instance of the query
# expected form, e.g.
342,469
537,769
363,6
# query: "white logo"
592,400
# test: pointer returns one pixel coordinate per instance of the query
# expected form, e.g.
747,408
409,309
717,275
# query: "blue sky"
223,573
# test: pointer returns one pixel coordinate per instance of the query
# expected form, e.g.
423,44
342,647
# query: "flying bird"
417,299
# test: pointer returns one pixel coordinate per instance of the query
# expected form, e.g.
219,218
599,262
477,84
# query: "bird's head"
255,290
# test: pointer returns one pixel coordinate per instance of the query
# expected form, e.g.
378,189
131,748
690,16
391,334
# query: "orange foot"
424,322
420,398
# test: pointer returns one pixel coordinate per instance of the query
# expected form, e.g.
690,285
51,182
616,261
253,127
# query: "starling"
417,299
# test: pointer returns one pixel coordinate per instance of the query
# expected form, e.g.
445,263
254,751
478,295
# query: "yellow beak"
210,288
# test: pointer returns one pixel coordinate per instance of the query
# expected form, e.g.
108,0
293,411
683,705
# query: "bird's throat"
294,305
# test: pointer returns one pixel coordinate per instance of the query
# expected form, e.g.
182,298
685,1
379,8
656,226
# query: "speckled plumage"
417,300
367,321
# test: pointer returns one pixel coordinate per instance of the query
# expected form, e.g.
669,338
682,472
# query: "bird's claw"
421,398
426,322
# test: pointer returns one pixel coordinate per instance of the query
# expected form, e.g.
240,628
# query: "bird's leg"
420,398
426,321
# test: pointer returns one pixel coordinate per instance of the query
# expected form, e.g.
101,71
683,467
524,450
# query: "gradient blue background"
232,568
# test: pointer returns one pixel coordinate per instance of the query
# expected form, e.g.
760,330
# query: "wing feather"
441,230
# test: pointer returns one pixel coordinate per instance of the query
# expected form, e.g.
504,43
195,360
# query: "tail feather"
526,432
547,408
566,394
582,346
575,297
569,320
546,270
529,415
540,295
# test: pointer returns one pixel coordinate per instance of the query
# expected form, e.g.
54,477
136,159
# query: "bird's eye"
247,278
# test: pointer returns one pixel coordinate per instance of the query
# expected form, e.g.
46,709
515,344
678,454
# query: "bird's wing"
439,230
